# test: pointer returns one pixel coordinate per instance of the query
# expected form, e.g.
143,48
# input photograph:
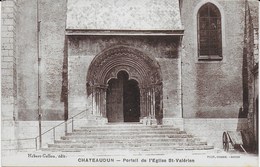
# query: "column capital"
145,87
100,86
149,86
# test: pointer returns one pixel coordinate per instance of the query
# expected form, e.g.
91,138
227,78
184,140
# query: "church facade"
167,62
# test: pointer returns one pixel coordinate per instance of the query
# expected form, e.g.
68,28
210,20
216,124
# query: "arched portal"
140,68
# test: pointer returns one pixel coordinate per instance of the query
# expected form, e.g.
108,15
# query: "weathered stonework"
8,66
164,50
251,53
52,37
9,75
124,15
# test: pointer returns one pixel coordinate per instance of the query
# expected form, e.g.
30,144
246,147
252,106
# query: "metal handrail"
53,128
61,123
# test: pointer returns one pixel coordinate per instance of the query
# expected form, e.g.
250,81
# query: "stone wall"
52,16
8,71
82,49
123,15
8,66
251,54
255,120
256,45
213,89
27,132
27,60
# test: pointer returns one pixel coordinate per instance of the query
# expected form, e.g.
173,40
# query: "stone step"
124,132
127,136
124,144
122,128
155,148
103,140
63,149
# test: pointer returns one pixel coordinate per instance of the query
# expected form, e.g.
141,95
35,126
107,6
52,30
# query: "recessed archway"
144,77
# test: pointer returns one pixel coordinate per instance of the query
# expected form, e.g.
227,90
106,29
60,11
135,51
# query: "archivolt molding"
139,66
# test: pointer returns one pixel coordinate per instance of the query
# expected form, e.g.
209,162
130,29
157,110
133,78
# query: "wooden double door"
123,99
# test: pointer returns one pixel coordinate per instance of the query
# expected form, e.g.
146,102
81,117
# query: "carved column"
148,101
94,106
103,94
152,114
151,105
142,102
145,103
151,102
99,100
99,103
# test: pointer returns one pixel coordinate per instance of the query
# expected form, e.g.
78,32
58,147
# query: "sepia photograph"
129,83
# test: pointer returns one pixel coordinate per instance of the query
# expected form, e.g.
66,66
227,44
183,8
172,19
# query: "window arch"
209,33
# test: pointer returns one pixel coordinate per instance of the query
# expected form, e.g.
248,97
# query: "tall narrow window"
209,33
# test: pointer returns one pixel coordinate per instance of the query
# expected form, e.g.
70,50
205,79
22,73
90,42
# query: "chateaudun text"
136,160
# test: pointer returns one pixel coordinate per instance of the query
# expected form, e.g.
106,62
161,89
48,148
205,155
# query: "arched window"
209,33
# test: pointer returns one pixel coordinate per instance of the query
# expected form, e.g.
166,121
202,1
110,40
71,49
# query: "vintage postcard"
129,82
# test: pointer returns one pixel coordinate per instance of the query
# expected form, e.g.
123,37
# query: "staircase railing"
53,129
38,145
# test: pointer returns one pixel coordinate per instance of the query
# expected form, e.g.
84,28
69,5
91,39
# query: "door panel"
115,101
131,101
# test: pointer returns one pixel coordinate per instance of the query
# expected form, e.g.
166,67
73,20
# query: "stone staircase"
128,137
